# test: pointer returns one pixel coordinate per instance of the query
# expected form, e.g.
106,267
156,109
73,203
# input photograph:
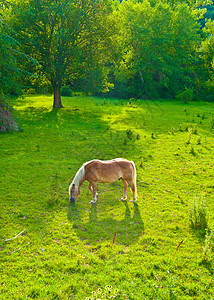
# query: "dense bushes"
66,91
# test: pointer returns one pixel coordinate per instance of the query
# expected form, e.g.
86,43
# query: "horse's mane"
79,176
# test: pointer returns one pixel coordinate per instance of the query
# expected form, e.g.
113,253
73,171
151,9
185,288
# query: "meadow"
162,247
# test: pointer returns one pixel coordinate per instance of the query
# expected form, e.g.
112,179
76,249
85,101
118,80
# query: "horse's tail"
134,175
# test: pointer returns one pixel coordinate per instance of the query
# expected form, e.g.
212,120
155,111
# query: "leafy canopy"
159,43
67,38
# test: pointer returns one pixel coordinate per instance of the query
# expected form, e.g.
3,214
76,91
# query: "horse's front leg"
125,189
90,187
93,188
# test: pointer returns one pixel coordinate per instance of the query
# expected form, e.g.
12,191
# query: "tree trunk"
135,52
57,98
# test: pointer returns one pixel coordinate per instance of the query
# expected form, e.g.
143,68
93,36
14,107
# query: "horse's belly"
108,178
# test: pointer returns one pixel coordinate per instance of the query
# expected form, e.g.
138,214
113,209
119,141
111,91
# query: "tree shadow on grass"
128,230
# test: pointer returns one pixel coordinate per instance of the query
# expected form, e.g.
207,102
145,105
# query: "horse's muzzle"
72,199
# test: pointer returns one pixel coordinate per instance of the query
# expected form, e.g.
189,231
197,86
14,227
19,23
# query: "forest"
126,49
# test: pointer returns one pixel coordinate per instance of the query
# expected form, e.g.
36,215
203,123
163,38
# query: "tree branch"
15,236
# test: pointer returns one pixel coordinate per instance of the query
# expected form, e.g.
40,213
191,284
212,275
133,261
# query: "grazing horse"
108,171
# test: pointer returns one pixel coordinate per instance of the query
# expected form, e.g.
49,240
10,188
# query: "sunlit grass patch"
145,250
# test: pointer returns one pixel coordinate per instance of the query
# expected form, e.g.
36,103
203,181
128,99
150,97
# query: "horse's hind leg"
125,189
134,190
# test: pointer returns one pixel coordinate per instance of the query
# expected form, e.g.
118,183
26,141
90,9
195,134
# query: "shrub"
66,91
31,91
186,95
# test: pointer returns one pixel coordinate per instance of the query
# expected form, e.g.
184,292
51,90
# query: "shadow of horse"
128,230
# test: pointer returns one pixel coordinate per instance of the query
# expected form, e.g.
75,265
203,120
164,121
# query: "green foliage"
66,91
10,73
70,40
143,48
186,95
159,44
9,57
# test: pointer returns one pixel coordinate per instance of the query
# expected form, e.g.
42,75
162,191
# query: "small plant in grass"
199,140
209,243
195,130
131,100
190,136
192,151
212,124
129,133
107,292
198,214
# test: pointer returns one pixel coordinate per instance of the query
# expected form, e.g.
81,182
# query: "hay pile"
7,122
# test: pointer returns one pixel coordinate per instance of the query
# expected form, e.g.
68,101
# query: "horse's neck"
81,181
80,177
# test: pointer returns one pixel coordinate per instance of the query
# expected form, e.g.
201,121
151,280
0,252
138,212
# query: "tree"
64,36
206,85
160,42
10,71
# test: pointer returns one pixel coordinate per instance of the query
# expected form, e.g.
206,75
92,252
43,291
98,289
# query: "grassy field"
160,248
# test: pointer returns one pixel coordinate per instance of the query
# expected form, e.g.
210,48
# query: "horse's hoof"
92,202
123,199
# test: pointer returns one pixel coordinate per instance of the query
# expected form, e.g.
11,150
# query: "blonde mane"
79,176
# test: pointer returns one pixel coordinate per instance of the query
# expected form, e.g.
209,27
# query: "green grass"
67,251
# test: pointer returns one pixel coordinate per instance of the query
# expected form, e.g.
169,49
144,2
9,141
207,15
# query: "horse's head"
73,192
